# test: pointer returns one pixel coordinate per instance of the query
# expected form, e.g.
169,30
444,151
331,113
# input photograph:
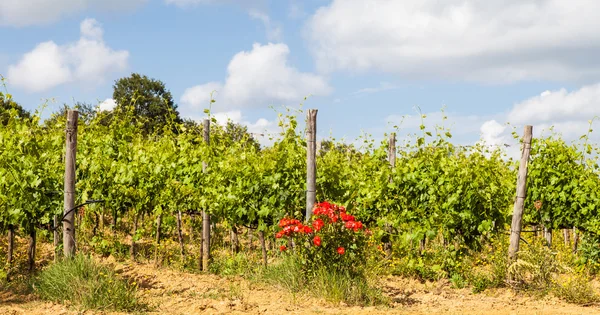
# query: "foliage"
151,100
333,240
7,104
86,284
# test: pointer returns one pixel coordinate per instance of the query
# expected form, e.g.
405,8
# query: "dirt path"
172,292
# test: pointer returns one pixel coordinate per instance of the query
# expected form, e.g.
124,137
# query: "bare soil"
170,291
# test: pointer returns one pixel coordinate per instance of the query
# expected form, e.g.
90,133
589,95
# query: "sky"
367,66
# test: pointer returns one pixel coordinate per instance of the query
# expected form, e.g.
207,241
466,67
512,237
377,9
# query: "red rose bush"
333,239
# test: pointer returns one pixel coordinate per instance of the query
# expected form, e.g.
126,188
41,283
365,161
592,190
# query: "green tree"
7,104
150,98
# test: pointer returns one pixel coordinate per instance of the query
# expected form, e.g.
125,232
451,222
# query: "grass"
86,284
332,286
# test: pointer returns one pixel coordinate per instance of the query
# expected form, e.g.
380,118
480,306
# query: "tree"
7,104
151,100
86,113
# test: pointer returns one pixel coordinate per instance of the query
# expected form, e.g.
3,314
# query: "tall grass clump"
86,284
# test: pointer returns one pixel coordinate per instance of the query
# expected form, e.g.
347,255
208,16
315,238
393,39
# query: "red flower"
279,234
347,217
341,250
350,224
317,241
307,229
283,248
318,224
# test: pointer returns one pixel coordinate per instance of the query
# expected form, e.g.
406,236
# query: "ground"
175,292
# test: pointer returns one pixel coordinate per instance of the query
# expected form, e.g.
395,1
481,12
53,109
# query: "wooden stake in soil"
132,250
575,240
31,250
180,235
263,246
205,215
311,163
387,245
71,149
235,244
566,237
56,238
548,236
158,224
11,246
515,228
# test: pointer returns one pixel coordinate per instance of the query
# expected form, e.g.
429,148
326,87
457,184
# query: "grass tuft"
86,284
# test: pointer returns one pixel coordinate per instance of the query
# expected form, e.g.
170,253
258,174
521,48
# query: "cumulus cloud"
89,60
274,30
107,105
485,41
258,78
39,12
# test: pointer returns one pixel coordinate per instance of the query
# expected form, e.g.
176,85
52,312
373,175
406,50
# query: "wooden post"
548,236
515,228
566,237
71,150
31,250
156,249
180,235
11,246
575,240
311,164
235,244
132,250
205,215
263,246
56,236
388,228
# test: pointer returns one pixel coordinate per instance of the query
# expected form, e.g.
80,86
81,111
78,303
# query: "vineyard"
196,196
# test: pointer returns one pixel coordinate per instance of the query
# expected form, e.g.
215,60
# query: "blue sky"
366,63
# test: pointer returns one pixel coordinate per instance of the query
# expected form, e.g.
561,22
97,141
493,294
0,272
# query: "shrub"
576,290
84,283
329,258
334,240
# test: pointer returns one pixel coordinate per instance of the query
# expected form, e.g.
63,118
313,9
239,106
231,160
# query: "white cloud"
40,12
492,133
559,106
383,86
262,129
198,97
486,41
249,4
107,105
274,31
88,60
258,78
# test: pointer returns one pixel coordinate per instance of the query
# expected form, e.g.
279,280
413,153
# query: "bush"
576,290
329,258
334,240
84,283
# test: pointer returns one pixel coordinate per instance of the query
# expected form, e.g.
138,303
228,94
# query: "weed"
86,284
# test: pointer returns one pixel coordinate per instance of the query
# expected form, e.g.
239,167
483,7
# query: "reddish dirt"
174,292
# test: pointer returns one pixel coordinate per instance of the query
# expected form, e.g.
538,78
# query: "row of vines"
433,188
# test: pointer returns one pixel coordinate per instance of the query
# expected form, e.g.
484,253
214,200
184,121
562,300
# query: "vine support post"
388,227
205,214
9,254
548,235
55,238
311,163
71,149
515,228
